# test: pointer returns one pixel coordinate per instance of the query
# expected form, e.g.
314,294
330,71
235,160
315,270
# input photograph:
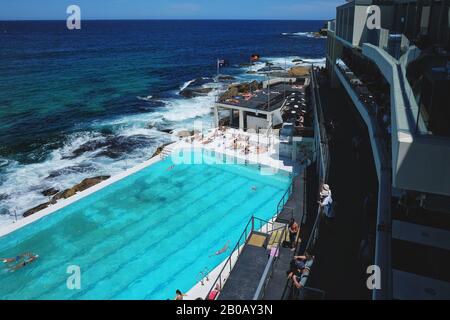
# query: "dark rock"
246,87
83,185
323,32
36,209
4,196
50,192
191,92
235,89
270,68
226,78
113,146
195,88
159,150
69,170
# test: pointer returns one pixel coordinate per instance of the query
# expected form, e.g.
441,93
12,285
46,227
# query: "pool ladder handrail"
204,275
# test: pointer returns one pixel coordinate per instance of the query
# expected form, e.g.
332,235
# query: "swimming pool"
144,236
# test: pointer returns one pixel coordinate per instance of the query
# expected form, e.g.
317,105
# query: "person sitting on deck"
300,278
299,262
293,231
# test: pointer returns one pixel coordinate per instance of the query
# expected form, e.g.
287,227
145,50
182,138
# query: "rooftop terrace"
267,99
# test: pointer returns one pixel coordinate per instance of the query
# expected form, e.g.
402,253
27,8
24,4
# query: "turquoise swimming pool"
144,236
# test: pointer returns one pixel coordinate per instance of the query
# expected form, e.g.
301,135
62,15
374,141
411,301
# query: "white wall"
255,122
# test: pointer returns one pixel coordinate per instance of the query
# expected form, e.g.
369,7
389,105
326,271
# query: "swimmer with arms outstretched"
17,258
24,263
21,260
223,250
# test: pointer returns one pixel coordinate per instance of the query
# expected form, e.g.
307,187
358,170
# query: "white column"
269,121
241,119
216,116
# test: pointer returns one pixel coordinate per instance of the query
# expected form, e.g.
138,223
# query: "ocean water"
142,237
76,104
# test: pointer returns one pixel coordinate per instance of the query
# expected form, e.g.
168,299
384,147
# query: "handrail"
268,271
245,235
324,159
283,199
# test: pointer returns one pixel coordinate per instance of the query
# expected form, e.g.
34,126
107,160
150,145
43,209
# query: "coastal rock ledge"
83,185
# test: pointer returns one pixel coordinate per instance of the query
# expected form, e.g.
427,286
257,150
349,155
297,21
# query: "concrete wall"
255,122
419,163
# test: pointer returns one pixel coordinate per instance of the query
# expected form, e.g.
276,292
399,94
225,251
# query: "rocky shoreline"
83,185
113,147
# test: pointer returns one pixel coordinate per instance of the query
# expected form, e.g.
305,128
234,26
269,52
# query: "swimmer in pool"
171,167
17,258
24,263
254,188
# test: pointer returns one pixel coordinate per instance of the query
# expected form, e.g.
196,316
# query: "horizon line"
162,19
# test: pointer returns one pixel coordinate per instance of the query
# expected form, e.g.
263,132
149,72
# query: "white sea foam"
187,84
285,62
25,182
147,98
304,34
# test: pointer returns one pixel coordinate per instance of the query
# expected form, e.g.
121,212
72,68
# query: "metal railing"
203,276
268,271
284,199
323,159
231,261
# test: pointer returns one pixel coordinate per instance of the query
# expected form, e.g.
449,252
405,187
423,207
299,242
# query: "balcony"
419,162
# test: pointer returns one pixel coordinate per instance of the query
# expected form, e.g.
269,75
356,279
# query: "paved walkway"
337,270
244,279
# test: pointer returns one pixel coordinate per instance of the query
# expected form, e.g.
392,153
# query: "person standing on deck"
326,203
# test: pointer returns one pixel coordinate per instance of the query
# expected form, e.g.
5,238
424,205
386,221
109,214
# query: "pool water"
144,236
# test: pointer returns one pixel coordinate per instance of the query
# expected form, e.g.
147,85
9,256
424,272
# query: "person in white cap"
326,202
326,191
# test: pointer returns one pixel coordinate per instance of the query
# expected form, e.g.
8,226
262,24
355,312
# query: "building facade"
392,58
